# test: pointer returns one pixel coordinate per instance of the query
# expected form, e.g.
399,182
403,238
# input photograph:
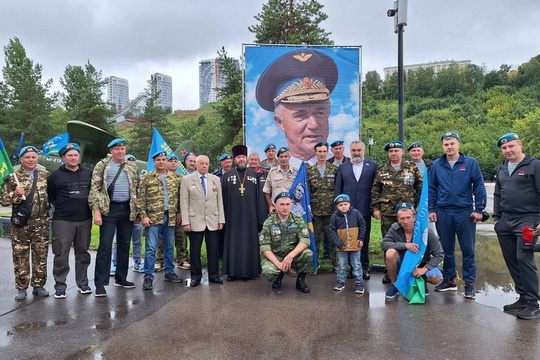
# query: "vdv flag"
301,206
5,164
55,143
159,144
409,286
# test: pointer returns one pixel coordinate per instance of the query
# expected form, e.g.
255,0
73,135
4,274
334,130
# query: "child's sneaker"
138,268
339,286
359,288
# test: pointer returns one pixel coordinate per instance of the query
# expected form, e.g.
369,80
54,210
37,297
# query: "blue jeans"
153,233
343,260
452,223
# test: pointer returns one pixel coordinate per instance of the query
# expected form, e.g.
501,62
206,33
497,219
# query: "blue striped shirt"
121,186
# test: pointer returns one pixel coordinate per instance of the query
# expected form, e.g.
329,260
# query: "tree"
420,82
373,84
153,116
83,99
390,87
27,104
291,22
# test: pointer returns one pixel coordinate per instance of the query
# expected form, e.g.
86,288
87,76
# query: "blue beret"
282,150
321,143
342,198
404,205
299,76
117,142
415,144
172,156
130,157
283,194
450,134
28,149
337,143
225,157
69,146
506,138
393,144
188,154
159,153
269,146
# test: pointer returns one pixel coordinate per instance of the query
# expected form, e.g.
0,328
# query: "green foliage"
83,99
291,22
372,85
26,105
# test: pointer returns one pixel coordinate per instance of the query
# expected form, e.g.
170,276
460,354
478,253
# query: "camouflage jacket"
40,201
280,238
99,198
321,189
151,196
392,186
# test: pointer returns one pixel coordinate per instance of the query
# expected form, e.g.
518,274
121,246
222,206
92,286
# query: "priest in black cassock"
242,200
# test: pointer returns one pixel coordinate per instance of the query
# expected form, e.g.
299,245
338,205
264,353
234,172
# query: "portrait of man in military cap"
298,97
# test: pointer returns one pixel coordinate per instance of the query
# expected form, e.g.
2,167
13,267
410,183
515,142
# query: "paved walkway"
247,320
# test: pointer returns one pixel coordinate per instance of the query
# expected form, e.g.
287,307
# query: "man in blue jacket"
453,182
516,204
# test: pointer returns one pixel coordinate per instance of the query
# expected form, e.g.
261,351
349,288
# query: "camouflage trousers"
180,242
321,229
386,223
301,263
32,239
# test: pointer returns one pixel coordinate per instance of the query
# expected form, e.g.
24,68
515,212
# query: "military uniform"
266,165
34,236
277,181
321,190
281,239
392,186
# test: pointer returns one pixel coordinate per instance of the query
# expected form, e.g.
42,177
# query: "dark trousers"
67,234
518,257
117,220
450,224
364,253
195,243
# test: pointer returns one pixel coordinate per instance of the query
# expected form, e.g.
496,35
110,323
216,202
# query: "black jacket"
68,192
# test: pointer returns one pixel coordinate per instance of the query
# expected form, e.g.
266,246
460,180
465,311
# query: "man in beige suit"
201,205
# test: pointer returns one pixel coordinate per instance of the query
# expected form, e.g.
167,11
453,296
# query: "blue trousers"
450,224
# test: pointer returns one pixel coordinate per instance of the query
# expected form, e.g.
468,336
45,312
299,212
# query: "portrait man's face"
304,126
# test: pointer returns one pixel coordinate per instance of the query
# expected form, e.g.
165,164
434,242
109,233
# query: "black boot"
301,283
276,284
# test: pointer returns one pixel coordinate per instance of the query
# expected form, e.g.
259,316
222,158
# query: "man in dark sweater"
516,204
68,188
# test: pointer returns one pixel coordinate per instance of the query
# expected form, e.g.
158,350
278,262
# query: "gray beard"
357,159
241,167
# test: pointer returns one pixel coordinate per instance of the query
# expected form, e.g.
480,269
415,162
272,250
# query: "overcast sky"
135,38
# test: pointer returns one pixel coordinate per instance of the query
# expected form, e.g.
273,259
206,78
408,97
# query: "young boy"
347,231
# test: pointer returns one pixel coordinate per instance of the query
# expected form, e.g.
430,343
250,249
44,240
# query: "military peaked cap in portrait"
239,150
450,134
28,149
506,138
299,76
117,142
68,147
414,145
394,144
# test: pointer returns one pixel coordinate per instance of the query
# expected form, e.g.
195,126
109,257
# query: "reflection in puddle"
376,300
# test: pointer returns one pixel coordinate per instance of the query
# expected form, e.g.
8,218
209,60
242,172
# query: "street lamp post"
370,140
399,13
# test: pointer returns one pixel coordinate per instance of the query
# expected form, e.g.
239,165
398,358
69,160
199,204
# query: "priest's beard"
241,167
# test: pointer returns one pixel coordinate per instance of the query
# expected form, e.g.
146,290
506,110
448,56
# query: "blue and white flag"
55,143
405,280
159,144
301,206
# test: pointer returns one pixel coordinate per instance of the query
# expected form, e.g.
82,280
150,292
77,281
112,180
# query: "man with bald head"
201,203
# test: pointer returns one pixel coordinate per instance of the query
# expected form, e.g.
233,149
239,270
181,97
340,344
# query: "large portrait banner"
296,97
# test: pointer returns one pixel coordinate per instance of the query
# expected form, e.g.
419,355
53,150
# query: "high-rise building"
118,92
437,66
211,78
164,86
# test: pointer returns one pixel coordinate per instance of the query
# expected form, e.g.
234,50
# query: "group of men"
254,209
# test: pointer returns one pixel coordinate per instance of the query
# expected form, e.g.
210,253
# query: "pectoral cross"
242,189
